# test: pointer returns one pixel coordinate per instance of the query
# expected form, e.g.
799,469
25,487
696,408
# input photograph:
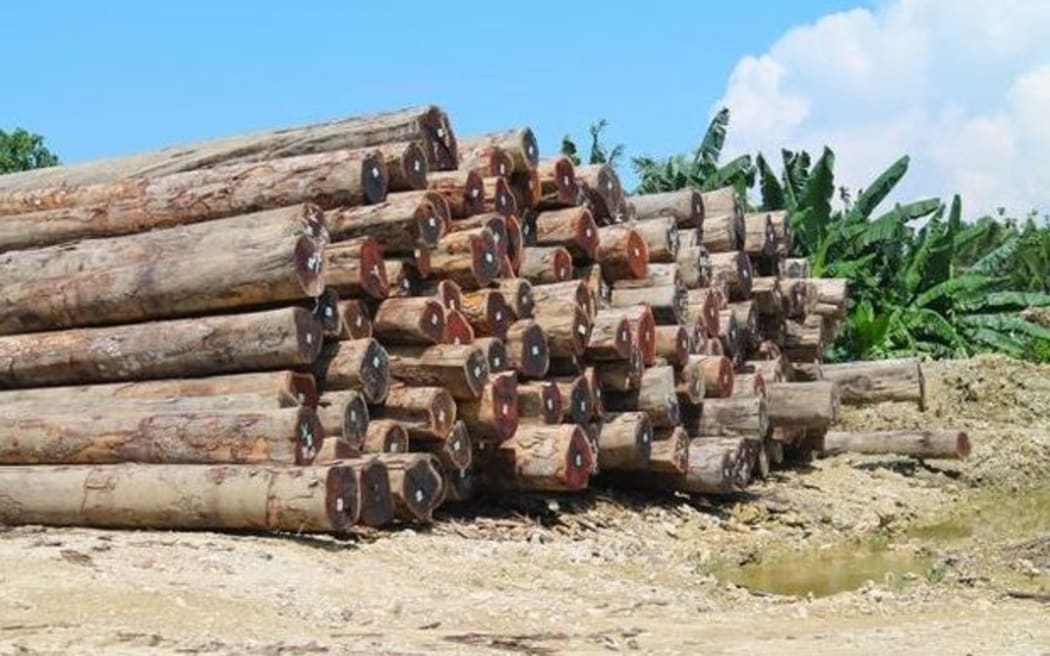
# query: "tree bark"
625,441
519,143
517,292
672,344
704,305
427,413
384,436
461,369
31,434
765,292
920,444
759,237
402,223
543,265
567,328
795,267
610,337
736,267
803,342
488,312
689,381
282,388
572,228
527,348
360,364
709,470
655,396
468,258
406,165
750,384
355,320
661,238
494,415
643,328
412,320
415,485
622,252
499,196
356,268
274,339
542,458
685,206
740,416
694,266
54,215
215,497
813,406
540,401
571,291
344,414
464,191
485,160
668,303
877,381
558,186
720,233
746,316
455,452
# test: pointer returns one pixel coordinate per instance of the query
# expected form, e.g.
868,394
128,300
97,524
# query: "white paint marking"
375,171
535,350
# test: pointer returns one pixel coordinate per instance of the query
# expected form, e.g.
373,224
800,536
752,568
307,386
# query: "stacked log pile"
357,321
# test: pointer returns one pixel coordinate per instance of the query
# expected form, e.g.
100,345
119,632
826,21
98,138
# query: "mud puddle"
1014,526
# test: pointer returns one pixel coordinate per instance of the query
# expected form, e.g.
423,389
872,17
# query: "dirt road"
924,557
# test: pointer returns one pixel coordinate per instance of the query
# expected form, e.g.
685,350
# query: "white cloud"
962,86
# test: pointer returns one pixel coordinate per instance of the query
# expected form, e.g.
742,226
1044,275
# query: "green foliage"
600,152
21,150
922,282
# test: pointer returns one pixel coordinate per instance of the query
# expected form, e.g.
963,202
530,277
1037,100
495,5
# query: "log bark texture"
920,444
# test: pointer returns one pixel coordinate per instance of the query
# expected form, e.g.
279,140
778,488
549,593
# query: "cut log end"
342,498
457,329
310,335
580,460
533,357
458,446
309,435
377,504
374,179
496,353
637,254
477,371
420,488
355,419
414,166
309,265
375,373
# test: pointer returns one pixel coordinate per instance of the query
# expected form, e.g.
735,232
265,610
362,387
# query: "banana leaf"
772,193
878,190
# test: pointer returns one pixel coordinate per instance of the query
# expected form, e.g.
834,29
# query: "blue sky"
106,78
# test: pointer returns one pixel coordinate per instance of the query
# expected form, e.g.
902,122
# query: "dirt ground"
922,558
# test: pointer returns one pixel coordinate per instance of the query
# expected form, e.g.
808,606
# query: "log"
669,303
281,388
577,399
878,381
803,342
426,413
175,434
743,454
494,415
685,206
333,449
485,160
561,293
355,321
527,348
750,384
567,327
689,382
406,165
455,452
709,470
403,277
694,266
720,233
461,369
759,237
610,337
180,284
355,268
360,364
918,444
721,201
813,406
540,265
464,191
415,485
344,414
180,497
457,329
643,328
384,436
625,441
765,292
54,215
746,315
795,267
542,458
526,188
661,238
655,396
519,143
591,276
517,292
496,354
412,320
325,308
718,375
730,336
273,339
669,452
487,312
773,370
782,237
601,190
499,197
739,416
446,292
622,252
468,258
572,228
704,306
558,186
736,267
540,401
672,344
402,223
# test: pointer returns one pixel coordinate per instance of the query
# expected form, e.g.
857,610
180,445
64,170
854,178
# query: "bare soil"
922,558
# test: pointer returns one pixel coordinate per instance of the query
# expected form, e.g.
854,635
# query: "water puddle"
1004,519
